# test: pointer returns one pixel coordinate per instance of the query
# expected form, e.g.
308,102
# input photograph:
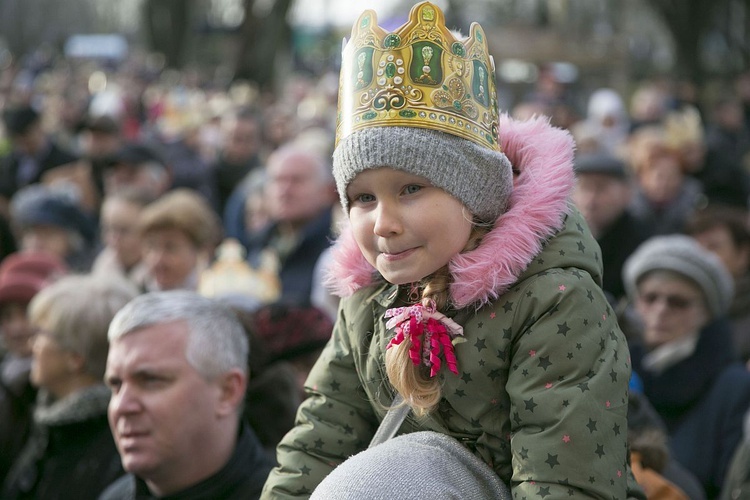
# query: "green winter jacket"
541,394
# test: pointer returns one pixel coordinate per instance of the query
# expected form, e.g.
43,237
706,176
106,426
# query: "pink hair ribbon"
430,331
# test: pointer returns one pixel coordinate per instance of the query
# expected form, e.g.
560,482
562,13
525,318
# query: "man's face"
718,239
242,141
601,199
296,190
145,178
163,412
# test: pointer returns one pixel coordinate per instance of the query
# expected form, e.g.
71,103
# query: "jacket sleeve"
333,423
567,384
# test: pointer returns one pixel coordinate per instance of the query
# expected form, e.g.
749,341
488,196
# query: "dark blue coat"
296,271
702,400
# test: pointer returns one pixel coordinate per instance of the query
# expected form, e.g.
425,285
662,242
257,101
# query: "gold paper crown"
418,76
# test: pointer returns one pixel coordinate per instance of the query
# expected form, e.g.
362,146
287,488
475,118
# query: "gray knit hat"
479,177
419,466
683,255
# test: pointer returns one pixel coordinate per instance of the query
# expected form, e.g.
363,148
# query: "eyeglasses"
674,302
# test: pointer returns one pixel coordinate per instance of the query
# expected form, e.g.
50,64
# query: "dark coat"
617,243
241,478
702,401
11,181
296,271
17,397
70,453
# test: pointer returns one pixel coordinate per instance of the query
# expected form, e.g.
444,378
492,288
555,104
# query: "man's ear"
232,385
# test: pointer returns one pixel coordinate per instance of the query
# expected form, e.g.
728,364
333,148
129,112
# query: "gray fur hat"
480,178
683,255
420,466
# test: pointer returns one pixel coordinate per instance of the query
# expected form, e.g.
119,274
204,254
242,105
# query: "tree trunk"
167,25
688,21
262,38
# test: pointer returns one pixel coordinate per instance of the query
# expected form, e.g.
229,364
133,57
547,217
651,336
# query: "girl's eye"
412,188
362,198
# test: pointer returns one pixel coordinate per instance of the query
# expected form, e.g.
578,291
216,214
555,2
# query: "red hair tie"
431,332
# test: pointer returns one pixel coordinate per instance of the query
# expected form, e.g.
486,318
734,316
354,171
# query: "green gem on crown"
391,41
458,49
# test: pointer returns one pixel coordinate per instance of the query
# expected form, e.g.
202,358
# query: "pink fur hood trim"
543,157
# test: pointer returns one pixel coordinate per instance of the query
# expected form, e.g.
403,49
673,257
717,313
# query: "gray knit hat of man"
682,255
417,466
481,178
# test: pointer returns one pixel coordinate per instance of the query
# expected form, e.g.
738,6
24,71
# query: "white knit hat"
683,255
418,466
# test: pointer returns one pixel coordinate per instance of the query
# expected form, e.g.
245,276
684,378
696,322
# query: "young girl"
471,288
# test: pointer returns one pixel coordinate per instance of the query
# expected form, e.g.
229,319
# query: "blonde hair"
420,391
186,211
76,311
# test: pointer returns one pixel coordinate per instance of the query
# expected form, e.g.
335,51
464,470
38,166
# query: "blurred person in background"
603,193
607,124
184,156
722,179
685,357
179,232
99,139
33,152
47,220
724,231
137,166
727,131
664,195
239,155
299,197
70,452
122,251
22,276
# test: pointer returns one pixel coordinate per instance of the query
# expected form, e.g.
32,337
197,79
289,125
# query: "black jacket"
70,453
242,478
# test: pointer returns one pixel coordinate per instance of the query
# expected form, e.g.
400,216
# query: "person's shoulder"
121,489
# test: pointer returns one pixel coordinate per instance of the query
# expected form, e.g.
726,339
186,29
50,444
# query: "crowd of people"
174,262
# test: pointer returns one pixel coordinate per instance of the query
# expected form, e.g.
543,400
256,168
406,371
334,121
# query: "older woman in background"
70,453
684,356
180,232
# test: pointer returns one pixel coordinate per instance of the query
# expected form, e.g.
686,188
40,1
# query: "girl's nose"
387,220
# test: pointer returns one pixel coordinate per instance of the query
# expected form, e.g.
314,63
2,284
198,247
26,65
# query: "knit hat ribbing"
682,255
479,177
420,465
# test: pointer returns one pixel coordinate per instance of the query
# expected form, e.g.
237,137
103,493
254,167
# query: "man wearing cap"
22,275
602,193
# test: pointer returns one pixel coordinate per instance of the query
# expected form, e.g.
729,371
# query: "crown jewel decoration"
418,76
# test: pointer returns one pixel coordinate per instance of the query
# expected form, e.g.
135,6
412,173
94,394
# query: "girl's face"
406,227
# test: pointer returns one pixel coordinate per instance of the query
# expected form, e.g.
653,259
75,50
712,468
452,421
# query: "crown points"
419,75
